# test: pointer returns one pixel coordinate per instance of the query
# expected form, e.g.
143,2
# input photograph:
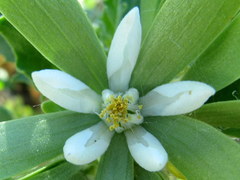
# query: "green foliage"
64,171
68,41
196,149
180,34
149,9
37,139
224,52
117,163
28,58
220,114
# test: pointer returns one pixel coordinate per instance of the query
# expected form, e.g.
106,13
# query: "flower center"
117,111
121,111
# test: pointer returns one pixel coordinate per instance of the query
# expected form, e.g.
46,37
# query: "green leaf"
117,163
6,50
60,30
142,174
28,58
63,171
198,150
4,114
149,9
219,66
181,32
26,143
49,106
219,114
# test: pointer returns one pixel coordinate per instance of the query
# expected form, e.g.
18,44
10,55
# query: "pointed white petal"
66,91
175,98
87,145
146,150
124,51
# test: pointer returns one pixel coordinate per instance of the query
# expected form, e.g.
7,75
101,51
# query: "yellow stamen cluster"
116,112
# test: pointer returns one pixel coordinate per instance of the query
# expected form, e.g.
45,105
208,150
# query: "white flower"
120,108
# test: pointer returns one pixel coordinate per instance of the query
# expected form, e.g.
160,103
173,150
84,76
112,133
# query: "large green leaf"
117,163
28,58
60,30
28,142
181,32
149,9
64,171
219,66
198,150
220,114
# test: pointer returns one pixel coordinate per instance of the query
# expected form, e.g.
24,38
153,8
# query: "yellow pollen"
116,112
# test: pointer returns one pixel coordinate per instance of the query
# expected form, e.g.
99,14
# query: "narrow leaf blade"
219,66
181,32
149,9
28,142
62,171
220,114
62,33
196,149
117,162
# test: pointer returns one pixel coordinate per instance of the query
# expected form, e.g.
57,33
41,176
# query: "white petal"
124,51
106,94
66,91
87,145
146,150
135,118
176,98
133,94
